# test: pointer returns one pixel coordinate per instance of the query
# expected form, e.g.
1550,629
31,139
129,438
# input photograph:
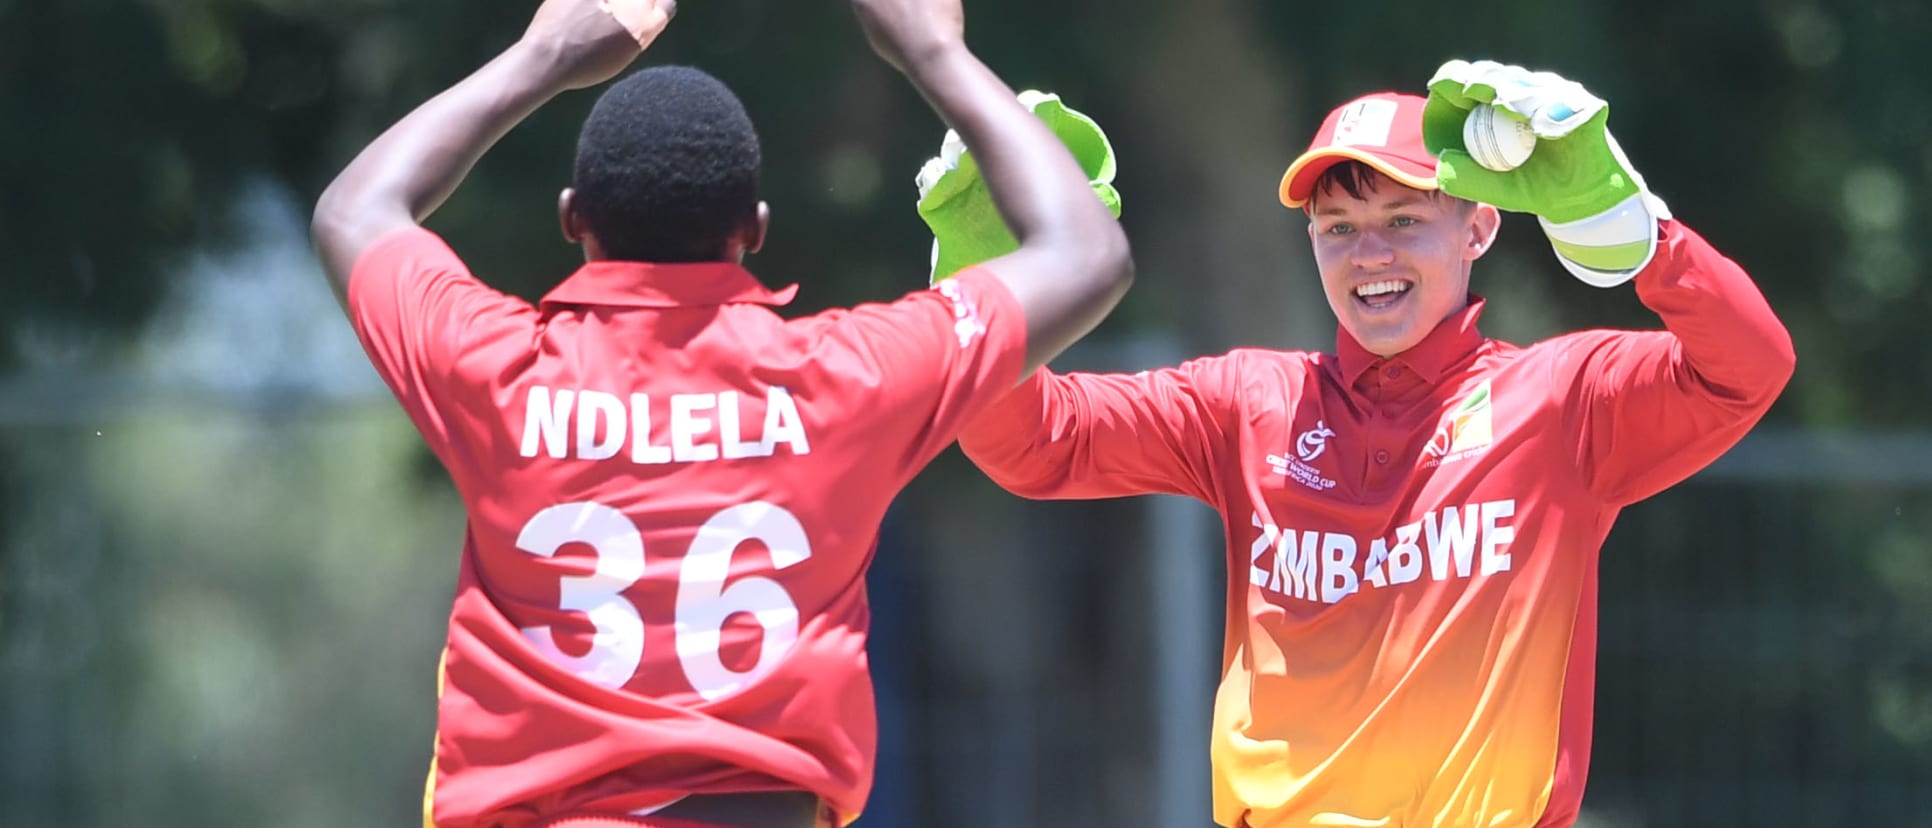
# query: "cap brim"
1298,184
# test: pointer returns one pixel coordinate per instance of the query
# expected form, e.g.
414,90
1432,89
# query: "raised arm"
1653,408
1084,436
1649,409
1072,265
405,174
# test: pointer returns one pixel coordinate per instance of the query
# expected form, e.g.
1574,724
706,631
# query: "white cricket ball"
1497,141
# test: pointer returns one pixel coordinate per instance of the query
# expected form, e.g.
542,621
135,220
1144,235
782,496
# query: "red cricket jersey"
672,495
1412,542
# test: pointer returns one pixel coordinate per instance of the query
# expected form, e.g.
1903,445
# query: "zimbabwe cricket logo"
1466,429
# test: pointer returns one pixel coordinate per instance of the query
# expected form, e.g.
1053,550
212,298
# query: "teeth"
1379,288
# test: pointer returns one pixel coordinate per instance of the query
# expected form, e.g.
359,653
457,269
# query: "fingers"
644,19
1452,89
1455,72
1553,105
1466,84
951,149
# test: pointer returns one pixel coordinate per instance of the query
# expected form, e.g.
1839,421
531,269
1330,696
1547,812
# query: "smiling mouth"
1382,294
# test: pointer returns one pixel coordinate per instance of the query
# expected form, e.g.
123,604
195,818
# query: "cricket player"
1413,520
673,492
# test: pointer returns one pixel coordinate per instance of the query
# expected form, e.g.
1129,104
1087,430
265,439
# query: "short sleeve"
939,355
414,304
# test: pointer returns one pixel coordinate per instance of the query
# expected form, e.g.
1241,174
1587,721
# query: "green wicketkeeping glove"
1595,208
955,203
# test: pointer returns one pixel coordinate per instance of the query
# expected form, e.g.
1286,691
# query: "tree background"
225,558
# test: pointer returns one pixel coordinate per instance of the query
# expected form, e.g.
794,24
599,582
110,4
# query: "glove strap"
1611,247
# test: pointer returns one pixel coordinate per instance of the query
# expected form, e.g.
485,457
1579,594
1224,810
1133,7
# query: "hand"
958,208
905,31
590,41
1600,217
1072,262
1576,170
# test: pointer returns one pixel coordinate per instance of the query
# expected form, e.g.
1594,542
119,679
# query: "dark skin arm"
405,174
1073,263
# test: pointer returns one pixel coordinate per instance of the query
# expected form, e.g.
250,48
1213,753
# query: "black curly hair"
667,167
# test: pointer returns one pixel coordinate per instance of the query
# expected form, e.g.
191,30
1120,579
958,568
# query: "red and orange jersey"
672,494
1412,542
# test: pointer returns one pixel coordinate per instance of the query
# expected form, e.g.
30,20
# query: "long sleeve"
1080,436
1652,408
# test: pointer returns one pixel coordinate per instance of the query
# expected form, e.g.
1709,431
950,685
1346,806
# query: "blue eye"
1339,229
1403,221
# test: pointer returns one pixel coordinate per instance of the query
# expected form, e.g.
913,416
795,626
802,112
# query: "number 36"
703,600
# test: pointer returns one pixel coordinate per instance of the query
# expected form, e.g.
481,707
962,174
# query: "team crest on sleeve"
1466,431
966,323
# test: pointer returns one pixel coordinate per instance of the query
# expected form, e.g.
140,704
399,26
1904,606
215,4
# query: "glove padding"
1597,211
955,204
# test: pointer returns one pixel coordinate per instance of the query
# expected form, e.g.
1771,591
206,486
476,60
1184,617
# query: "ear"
567,218
752,238
575,229
1484,222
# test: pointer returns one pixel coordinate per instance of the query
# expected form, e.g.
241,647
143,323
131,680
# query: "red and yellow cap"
1382,130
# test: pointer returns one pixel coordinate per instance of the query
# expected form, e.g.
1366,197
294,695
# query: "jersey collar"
648,285
1452,339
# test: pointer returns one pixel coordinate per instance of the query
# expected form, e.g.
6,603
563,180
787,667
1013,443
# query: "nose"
1371,250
